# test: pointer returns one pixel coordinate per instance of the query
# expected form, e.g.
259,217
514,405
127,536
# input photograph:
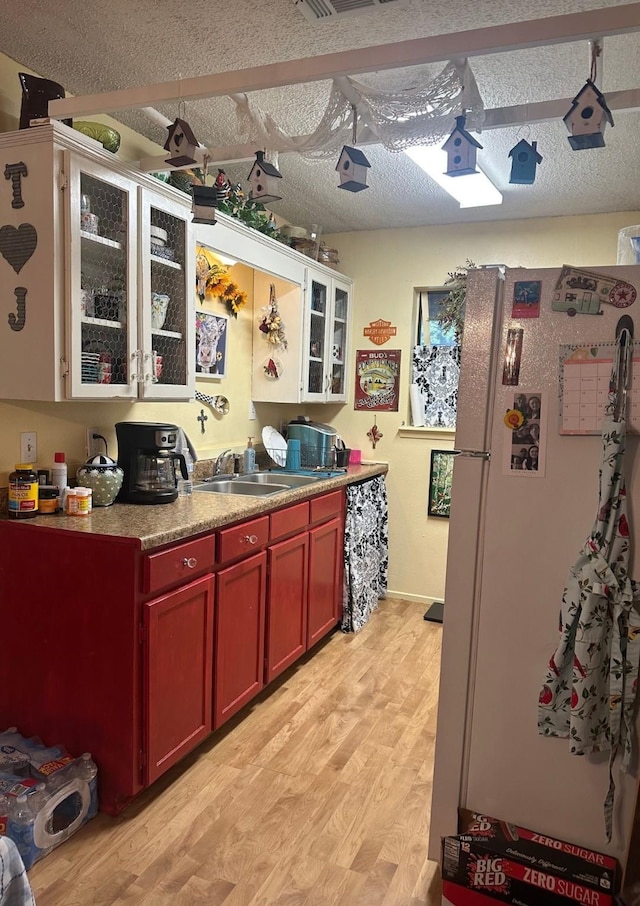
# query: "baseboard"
419,599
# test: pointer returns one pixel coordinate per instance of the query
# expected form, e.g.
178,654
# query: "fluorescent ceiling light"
472,191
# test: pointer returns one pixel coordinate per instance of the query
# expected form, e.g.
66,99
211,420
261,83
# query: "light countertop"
154,526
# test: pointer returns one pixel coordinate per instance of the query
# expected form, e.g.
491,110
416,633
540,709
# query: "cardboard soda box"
540,852
472,875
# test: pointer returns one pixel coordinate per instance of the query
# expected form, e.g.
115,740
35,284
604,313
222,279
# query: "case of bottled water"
46,794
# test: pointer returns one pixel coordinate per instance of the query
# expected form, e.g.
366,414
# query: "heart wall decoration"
17,244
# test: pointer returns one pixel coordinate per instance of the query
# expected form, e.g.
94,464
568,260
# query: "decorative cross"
202,418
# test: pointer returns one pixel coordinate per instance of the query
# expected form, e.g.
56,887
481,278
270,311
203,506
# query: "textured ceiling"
93,47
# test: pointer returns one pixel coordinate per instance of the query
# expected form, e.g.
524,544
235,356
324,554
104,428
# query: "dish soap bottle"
249,458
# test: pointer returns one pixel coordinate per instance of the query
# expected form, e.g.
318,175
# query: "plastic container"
293,455
249,458
47,499
83,497
71,501
23,492
20,827
59,475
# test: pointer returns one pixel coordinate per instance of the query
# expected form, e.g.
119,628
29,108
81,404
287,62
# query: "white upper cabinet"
108,314
97,284
313,303
327,312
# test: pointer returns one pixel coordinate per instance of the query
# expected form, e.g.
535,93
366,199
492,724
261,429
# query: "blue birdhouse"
461,148
263,178
587,118
524,160
352,166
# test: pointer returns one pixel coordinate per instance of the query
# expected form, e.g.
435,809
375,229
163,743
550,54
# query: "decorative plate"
272,368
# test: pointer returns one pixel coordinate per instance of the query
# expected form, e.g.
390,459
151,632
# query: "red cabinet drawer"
326,506
288,521
242,540
178,564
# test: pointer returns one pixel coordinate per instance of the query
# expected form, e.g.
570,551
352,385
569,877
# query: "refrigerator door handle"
474,454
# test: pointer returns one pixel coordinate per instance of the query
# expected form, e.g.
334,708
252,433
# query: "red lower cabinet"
239,636
178,640
286,604
325,579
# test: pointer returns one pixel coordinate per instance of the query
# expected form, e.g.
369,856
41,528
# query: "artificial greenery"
231,200
450,314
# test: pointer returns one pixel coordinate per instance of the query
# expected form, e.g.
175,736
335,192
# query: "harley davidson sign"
379,331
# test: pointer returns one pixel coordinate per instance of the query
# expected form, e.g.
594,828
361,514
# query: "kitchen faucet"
221,461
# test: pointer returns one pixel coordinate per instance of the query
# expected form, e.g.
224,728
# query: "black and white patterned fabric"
15,889
366,551
436,371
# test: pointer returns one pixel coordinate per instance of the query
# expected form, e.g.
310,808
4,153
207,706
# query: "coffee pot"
146,454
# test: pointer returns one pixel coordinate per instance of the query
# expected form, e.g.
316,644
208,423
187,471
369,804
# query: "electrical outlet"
28,446
94,445
252,411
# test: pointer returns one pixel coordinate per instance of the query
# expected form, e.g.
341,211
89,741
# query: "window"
436,363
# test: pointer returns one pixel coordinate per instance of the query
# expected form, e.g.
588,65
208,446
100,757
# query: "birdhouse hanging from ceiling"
263,179
461,148
352,167
587,118
181,144
204,204
524,160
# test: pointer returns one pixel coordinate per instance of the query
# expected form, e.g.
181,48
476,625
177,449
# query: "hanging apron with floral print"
590,688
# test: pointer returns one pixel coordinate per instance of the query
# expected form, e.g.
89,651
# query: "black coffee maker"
146,455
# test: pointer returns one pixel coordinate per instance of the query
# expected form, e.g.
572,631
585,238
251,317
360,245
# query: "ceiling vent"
321,10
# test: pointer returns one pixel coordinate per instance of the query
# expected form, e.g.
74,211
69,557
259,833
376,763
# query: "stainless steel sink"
272,478
237,486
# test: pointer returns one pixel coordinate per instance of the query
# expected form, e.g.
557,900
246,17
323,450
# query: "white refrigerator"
514,534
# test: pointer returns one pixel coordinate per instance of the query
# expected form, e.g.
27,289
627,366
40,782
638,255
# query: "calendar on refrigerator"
585,371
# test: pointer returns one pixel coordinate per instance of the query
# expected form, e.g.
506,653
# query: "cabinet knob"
191,562
250,539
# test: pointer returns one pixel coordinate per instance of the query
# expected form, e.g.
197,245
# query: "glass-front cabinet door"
167,312
339,328
317,311
101,270
327,344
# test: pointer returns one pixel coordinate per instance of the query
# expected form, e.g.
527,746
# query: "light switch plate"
252,411
28,446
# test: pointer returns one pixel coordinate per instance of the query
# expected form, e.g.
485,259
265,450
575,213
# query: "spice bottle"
23,492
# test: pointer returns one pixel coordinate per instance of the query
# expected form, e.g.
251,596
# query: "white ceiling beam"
613,20
495,118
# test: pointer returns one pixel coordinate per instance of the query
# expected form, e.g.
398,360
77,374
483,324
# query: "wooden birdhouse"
181,144
524,160
204,204
587,118
461,148
263,178
352,167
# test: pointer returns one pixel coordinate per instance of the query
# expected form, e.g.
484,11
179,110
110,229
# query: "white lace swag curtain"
396,119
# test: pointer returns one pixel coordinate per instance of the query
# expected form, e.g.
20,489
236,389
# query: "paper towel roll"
417,406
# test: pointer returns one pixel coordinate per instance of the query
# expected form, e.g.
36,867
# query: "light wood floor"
318,793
